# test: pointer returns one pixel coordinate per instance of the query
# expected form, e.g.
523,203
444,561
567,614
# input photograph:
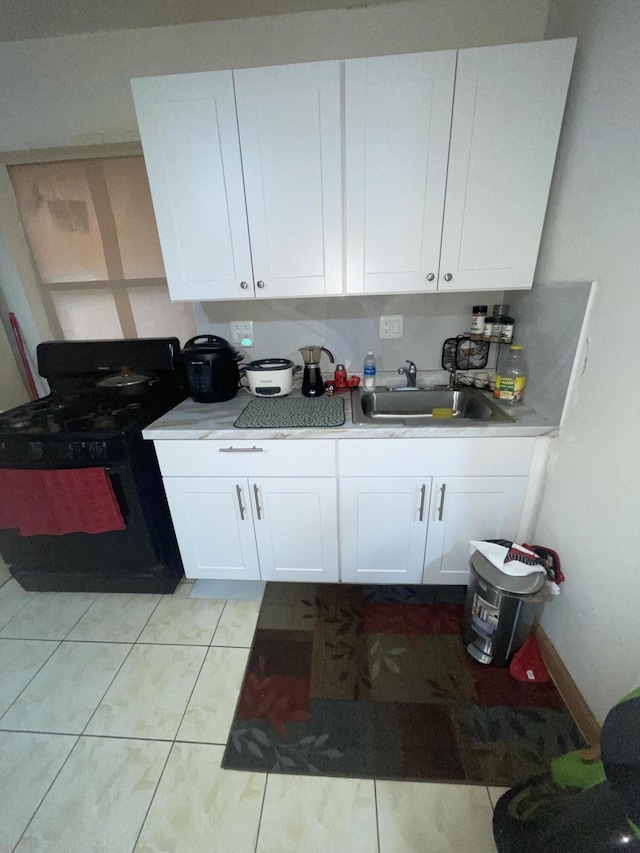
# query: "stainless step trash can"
499,611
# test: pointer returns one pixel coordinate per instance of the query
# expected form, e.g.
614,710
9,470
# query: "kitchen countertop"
189,420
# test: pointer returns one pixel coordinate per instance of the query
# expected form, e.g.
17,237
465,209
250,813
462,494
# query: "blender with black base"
312,382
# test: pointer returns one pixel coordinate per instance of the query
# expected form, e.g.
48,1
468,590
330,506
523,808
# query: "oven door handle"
115,470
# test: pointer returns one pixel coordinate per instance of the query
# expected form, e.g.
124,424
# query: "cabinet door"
296,528
507,114
383,528
191,148
465,508
214,527
290,132
397,125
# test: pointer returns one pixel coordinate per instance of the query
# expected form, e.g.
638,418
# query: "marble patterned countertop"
201,421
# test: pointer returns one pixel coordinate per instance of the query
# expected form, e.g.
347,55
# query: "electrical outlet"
392,326
242,333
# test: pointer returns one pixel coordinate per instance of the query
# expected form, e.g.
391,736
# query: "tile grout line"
153,796
44,663
46,793
9,621
124,660
264,797
190,695
115,675
224,607
375,802
174,740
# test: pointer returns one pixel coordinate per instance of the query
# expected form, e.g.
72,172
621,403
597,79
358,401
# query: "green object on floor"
571,771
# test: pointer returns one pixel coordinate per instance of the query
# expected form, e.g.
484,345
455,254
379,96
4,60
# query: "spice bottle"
488,326
478,316
506,335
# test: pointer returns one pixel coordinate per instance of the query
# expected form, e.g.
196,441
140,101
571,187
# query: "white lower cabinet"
235,517
400,527
296,526
274,528
383,528
464,508
216,537
417,530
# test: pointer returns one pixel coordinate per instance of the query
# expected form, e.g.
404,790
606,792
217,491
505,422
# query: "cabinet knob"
430,277
244,285
260,284
448,276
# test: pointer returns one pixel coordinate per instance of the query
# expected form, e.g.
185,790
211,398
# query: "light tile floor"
114,714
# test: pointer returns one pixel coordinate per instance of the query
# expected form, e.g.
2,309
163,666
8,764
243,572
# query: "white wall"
591,505
74,90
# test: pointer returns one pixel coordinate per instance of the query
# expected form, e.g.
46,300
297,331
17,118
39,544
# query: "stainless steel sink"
414,407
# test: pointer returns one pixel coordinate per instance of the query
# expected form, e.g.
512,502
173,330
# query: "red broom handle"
23,355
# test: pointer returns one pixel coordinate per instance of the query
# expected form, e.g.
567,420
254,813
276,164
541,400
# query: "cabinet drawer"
435,457
246,458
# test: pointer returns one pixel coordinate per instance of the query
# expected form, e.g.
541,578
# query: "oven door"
129,560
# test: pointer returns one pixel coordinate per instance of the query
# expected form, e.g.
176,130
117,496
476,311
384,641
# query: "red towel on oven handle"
70,500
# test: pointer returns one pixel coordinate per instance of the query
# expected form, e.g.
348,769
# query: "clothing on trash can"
511,558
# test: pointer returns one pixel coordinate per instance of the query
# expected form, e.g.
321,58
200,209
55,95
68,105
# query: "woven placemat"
281,412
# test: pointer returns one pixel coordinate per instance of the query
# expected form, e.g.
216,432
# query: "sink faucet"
410,372
452,379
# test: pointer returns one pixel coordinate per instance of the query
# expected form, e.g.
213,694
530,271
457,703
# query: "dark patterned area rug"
375,682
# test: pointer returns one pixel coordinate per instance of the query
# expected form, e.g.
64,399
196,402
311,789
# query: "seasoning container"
506,335
496,328
478,318
488,325
500,313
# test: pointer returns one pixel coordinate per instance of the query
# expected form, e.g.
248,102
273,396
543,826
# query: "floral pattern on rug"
375,682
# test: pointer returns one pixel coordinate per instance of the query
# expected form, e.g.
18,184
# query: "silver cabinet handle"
230,449
256,494
244,285
260,284
430,277
443,489
240,504
448,277
423,489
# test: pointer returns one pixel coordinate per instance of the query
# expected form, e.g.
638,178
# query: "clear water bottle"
369,372
512,377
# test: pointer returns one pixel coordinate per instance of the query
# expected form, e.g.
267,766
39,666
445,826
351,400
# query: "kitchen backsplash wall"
548,322
348,326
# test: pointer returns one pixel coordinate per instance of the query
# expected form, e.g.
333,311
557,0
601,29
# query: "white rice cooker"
270,377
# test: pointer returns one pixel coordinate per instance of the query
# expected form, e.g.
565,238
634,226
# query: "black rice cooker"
212,369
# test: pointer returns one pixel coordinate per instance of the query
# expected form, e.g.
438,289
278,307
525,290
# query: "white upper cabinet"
507,114
191,149
397,125
276,140
291,139
447,160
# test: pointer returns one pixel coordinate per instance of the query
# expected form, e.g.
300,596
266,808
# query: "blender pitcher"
312,383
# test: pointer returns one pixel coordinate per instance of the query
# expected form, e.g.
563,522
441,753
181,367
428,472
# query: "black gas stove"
81,424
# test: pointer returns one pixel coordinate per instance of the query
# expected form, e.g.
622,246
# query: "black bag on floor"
576,808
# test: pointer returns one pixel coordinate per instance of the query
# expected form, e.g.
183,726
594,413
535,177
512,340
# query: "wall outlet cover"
392,326
242,332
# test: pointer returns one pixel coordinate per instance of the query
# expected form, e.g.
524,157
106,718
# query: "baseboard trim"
574,700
